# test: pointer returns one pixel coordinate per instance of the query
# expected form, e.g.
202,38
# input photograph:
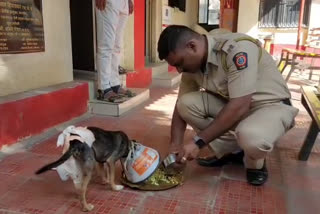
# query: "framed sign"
21,26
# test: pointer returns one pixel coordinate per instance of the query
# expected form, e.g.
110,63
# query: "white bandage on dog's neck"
83,132
62,137
67,140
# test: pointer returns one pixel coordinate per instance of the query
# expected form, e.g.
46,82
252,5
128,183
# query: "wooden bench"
291,56
298,59
310,100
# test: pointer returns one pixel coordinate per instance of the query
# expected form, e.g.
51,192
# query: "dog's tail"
74,149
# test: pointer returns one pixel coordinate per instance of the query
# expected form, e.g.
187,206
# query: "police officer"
231,93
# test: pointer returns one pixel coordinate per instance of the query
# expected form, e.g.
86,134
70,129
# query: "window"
282,13
209,12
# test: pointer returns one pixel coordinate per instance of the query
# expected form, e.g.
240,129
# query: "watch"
199,142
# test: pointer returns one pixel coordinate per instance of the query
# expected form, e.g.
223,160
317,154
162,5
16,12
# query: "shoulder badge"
241,60
229,46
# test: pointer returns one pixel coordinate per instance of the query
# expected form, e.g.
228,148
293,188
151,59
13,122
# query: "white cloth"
110,26
85,134
70,168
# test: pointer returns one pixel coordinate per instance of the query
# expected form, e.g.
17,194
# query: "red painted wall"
139,31
172,68
32,115
142,77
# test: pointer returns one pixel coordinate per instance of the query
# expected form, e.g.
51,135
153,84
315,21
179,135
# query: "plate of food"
161,179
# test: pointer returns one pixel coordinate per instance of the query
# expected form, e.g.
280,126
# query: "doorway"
148,31
229,11
83,35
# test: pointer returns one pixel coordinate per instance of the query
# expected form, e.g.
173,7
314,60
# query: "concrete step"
91,78
166,80
29,113
158,68
117,109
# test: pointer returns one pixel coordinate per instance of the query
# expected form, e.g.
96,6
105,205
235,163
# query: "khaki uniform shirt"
248,70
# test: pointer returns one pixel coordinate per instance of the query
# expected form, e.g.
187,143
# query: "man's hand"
130,7
190,152
176,148
101,4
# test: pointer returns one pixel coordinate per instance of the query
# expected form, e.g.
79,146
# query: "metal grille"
282,13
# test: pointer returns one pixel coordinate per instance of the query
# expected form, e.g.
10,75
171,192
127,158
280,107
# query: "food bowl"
169,174
159,180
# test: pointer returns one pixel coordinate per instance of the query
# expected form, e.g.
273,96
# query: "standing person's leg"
107,22
116,53
116,57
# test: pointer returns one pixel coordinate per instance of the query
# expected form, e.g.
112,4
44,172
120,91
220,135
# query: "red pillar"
142,77
139,32
300,22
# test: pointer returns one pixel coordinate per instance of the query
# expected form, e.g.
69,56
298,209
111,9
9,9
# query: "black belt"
287,102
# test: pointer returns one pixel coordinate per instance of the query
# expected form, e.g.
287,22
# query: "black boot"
257,177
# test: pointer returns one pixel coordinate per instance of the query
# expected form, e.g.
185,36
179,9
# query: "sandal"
121,91
109,96
117,99
122,70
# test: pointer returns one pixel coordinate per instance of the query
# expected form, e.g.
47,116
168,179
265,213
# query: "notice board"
21,26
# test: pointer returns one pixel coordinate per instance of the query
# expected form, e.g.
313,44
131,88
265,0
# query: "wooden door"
229,14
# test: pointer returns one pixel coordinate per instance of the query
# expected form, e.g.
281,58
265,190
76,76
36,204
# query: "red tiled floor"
24,164
49,147
303,202
38,196
191,208
9,182
238,196
293,186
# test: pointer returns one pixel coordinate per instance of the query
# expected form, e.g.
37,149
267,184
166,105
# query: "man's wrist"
199,142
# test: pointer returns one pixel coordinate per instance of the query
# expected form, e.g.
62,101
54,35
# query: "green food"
160,177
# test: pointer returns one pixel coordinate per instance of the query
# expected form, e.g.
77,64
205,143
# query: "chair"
302,59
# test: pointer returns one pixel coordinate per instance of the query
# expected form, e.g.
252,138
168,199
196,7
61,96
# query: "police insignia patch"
241,60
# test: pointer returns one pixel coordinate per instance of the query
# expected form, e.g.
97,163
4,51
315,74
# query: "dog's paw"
117,187
88,208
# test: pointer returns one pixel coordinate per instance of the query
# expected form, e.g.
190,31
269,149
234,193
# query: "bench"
310,100
300,59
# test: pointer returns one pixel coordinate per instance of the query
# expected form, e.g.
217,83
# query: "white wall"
248,23
127,60
248,17
189,17
315,14
22,72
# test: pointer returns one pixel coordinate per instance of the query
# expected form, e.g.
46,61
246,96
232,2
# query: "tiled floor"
293,187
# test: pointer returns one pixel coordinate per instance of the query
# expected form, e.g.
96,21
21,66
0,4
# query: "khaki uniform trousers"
256,134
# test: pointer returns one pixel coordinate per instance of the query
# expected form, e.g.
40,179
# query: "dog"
106,149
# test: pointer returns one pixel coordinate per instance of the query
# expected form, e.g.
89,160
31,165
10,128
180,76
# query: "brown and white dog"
101,151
